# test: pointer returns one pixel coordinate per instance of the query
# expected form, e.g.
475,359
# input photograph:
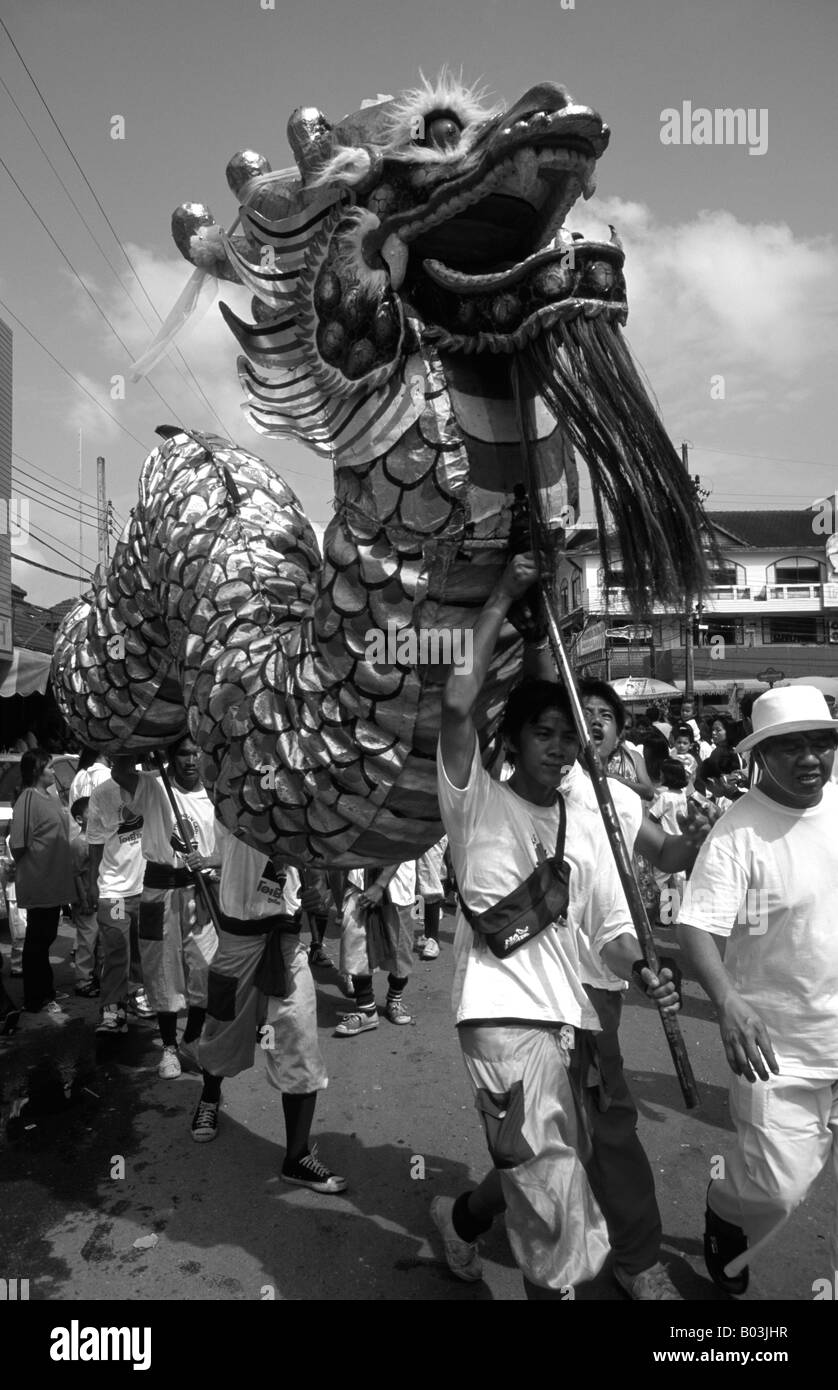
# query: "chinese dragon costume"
415,252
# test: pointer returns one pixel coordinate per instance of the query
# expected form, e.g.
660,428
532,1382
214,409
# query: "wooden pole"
204,890
102,514
544,548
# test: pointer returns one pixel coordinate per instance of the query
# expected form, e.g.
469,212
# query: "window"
795,569
727,574
565,607
576,591
719,627
794,631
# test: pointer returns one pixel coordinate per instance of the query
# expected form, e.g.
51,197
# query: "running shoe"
395,1011
51,1007
112,1019
169,1064
309,1172
352,1024
420,943
318,958
430,950
205,1122
461,1257
139,1006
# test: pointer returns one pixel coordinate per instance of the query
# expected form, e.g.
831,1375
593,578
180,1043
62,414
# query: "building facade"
771,612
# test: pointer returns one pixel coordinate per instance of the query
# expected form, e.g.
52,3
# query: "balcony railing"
731,592
792,591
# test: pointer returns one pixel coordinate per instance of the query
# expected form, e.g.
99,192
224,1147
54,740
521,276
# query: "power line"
112,228
68,373
768,458
59,510
91,296
83,559
83,492
58,498
76,578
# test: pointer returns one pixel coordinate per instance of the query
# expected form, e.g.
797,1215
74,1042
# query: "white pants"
787,1129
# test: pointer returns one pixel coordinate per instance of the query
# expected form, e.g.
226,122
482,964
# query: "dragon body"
414,252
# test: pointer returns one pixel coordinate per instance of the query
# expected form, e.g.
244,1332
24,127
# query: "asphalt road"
397,1120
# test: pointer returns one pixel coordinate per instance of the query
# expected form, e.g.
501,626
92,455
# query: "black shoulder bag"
539,902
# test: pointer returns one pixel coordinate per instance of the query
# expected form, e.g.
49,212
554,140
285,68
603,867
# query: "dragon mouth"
481,261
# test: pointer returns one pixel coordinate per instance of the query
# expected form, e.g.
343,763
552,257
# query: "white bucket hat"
793,709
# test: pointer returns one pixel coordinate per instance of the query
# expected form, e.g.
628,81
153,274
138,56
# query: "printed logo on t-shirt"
130,825
272,883
541,854
177,843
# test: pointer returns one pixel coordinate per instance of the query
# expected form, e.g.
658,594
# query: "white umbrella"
827,685
642,688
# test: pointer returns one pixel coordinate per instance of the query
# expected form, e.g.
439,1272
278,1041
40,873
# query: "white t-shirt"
161,843
496,839
112,824
402,886
578,790
251,886
767,878
84,781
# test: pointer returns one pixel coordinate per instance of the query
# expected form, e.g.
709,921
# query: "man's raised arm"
463,684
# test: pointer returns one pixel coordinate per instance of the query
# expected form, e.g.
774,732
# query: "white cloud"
717,295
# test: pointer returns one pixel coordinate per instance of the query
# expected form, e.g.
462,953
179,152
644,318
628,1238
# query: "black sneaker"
722,1243
89,990
205,1122
309,1172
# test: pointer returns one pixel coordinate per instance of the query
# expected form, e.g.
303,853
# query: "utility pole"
689,653
101,513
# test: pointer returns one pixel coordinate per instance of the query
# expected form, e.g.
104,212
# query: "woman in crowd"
722,732
40,846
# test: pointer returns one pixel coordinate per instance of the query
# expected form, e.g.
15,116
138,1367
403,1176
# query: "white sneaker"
420,943
430,950
462,1259
169,1065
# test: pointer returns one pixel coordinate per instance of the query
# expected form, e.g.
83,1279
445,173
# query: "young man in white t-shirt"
114,834
519,1017
260,978
766,882
177,937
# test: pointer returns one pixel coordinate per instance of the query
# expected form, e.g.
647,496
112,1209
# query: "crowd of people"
175,917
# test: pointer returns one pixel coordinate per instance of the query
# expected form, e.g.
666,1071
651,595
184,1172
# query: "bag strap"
558,854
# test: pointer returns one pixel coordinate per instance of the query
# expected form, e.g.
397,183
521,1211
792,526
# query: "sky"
731,257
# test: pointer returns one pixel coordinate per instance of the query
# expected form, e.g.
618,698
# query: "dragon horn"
310,138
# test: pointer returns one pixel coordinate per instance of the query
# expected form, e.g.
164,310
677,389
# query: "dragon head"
433,210
433,223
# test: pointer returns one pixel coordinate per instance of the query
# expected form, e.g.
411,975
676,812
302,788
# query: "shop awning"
25,673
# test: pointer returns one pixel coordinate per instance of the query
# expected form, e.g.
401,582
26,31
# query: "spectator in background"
732,781
93,768
668,805
40,846
684,748
722,734
116,866
687,716
84,906
655,716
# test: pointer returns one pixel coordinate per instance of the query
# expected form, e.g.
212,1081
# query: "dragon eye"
443,132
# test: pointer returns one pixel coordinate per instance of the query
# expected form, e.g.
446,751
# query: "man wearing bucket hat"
776,993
